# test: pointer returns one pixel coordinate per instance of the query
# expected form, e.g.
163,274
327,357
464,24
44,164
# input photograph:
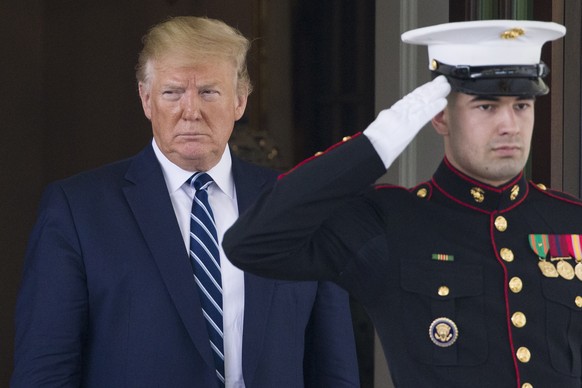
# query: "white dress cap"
489,57
486,42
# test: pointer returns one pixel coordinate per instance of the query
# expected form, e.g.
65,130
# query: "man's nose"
508,121
190,106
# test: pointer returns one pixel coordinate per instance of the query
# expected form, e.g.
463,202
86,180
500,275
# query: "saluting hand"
395,128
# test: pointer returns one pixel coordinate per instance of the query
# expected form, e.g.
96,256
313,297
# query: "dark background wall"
69,102
21,106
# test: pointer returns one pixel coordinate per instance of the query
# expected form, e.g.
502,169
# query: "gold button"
346,138
578,301
444,291
506,254
515,284
434,65
421,193
523,354
318,153
527,385
518,319
542,186
500,223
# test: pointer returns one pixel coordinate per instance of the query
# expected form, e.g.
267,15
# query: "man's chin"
197,159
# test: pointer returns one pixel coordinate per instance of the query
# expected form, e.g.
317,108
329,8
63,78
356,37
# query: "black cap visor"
520,81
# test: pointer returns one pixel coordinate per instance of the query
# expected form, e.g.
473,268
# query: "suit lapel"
250,181
151,205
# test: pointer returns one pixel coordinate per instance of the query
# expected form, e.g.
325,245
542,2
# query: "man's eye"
485,107
522,106
171,94
209,94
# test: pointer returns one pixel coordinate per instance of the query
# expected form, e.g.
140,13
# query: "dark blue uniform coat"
445,270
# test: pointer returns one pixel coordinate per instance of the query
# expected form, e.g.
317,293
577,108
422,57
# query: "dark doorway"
333,97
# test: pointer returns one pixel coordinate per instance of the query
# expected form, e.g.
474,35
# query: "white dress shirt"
222,198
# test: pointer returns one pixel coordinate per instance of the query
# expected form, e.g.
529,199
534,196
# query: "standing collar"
477,195
175,176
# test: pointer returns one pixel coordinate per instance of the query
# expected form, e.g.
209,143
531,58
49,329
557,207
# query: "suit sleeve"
284,234
51,310
330,351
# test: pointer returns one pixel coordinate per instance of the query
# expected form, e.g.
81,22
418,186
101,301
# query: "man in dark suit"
472,279
109,297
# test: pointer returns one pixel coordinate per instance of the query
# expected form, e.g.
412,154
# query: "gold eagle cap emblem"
514,33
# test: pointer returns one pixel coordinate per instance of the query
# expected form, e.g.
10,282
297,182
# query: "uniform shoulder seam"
556,194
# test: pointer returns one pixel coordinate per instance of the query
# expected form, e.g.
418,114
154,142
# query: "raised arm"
283,234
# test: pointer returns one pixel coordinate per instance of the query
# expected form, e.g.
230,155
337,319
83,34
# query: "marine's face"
192,110
487,138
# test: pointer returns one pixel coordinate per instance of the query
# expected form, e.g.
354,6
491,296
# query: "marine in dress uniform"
468,284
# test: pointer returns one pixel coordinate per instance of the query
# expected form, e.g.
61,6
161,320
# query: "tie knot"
200,181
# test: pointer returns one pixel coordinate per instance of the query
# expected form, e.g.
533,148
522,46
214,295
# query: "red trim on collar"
459,202
443,192
481,184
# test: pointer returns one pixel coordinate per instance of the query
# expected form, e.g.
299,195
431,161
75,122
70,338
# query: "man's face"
487,138
192,110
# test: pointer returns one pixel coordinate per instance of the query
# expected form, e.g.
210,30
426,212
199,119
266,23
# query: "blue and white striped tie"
206,263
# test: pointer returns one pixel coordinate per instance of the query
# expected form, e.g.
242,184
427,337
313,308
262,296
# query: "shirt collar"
175,176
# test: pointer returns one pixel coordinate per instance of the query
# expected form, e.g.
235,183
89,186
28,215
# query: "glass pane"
501,9
488,9
522,9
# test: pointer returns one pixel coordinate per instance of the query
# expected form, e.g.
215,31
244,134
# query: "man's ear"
440,122
241,104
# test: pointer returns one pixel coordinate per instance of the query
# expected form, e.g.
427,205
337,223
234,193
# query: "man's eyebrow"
172,84
209,84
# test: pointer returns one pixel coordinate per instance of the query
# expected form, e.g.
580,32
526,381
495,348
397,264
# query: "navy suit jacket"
108,299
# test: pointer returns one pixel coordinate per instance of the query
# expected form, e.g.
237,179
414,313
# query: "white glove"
395,128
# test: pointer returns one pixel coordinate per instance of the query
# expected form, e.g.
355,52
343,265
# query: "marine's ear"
440,122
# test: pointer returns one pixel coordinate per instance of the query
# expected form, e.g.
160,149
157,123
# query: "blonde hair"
195,39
